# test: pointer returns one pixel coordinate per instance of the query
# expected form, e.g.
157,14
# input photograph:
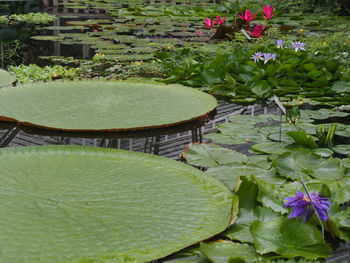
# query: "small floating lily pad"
88,204
47,38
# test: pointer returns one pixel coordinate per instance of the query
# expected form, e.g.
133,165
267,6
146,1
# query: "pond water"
124,32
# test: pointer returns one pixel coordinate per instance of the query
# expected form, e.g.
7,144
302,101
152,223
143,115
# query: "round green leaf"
342,149
6,79
47,38
227,251
270,147
103,106
88,204
211,155
289,238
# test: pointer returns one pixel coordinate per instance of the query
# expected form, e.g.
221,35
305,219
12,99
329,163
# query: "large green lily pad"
6,79
88,204
103,106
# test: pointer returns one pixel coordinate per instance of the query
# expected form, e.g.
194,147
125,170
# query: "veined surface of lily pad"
6,79
88,204
103,106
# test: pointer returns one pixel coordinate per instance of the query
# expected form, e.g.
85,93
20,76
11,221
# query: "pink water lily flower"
247,16
267,12
220,21
257,31
209,23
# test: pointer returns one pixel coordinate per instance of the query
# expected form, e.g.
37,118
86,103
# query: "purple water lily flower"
269,56
297,46
303,208
279,43
257,56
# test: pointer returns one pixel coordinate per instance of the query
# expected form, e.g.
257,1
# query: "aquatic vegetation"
317,78
241,51
26,19
33,72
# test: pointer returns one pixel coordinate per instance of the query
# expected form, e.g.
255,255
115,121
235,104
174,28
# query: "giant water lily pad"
104,106
6,79
88,204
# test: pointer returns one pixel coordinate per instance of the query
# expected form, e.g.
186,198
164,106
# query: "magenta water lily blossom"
209,23
297,46
247,16
220,21
302,206
267,12
257,31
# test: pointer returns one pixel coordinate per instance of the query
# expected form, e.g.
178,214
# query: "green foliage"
211,155
262,182
289,238
32,73
26,19
295,133
226,251
233,74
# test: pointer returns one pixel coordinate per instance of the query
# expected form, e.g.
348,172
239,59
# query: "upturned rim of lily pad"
194,121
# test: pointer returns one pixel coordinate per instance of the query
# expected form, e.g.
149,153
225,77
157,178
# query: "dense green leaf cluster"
301,131
30,18
34,72
235,75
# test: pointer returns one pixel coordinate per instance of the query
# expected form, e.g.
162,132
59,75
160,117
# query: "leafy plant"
261,183
266,131
236,76
26,19
34,72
